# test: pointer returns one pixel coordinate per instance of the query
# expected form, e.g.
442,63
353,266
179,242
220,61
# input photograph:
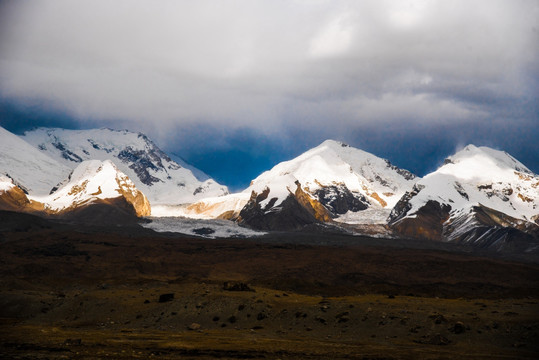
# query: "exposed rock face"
133,196
313,206
141,162
403,206
486,228
12,198
339,199
291,214
427,224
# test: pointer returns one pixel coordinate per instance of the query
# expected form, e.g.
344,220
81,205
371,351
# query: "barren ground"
73,294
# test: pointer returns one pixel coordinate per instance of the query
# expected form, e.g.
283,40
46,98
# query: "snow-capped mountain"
477,196
30,169
326,170
325,183
162,179
95,181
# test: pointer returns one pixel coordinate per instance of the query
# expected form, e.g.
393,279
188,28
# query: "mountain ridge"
162,179
478,196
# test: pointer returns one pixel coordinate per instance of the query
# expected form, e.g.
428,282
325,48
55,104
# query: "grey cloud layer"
265,64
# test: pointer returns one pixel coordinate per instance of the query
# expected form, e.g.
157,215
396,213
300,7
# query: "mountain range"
162,179
322,185
479,196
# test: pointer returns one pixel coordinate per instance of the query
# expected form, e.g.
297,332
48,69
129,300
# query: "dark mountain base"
116,211
74,292
290,216
427,224
481,228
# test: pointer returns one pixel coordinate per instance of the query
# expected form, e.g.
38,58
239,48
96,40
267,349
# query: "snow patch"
199,227
371,216
6,183
34,171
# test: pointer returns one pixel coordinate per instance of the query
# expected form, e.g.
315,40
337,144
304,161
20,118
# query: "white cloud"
262,64
334,39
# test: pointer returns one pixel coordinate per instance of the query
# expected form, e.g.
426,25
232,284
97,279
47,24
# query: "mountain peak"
474,178
333,174
95,180
482,161
333,143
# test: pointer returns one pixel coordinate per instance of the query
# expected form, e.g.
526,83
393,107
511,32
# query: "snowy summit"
91,181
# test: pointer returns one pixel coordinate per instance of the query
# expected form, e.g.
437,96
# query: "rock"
343,317
291,214
166,297
70,342
458,328
434,340
428,222
300,314
439,340
204,231
438,318
194,326
339,199
233,286
14,199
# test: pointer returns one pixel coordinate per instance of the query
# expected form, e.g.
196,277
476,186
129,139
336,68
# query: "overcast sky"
237,86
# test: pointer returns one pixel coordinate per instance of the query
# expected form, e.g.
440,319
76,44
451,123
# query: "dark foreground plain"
69,292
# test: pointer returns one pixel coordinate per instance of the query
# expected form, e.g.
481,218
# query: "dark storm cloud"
294,71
